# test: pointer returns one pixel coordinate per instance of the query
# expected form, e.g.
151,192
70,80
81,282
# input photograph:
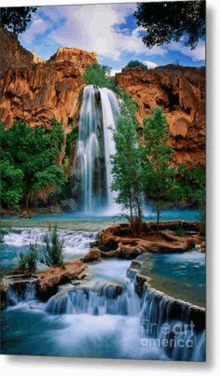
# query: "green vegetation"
99,75
126,170
131,104
28,262
169,21
192,183
72,136
136,64
53,251
159,177
29,170
192,189
16,19
180,231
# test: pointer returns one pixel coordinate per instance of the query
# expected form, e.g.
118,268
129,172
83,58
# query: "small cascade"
20,291
92,167
76,244
175,323
103,298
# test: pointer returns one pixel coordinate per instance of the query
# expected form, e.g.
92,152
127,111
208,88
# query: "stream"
102,316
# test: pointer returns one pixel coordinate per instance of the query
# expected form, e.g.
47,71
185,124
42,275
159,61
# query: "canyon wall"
39,91
12,54
181,92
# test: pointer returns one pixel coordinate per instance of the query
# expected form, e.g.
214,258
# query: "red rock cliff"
40,92
181,92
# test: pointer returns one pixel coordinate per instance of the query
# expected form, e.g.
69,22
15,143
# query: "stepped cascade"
92,166
111,311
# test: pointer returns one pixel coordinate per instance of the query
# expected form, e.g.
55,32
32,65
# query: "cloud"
96,28
90,27
197,54
114,71
150,64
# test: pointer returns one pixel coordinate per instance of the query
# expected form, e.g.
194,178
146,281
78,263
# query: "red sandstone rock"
12,54
40,92
93,255
181,92
118,243
52,277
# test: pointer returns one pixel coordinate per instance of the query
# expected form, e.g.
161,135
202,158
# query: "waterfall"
18,292
92,167
103,299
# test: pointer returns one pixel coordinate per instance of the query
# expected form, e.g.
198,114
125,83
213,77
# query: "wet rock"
116,240
17,287
3,290
93,255
49,280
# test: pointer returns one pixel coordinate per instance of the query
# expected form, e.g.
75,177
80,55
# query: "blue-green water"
149,214
188,267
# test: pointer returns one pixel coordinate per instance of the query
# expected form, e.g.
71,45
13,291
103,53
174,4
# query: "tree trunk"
27,202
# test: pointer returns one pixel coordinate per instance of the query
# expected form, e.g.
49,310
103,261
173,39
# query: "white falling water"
98,116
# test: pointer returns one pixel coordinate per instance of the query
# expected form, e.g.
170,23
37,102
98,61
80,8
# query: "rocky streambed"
96,306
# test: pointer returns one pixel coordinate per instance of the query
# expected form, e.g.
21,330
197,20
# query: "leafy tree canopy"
28,162
136,64
159,178
16,19
192,185
126,170
99,75
169,21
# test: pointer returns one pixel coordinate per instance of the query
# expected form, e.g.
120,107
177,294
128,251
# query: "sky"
110,30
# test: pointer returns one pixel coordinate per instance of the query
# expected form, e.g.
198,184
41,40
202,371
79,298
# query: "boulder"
93,255
49,280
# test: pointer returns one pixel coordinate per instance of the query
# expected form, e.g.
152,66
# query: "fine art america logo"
175,335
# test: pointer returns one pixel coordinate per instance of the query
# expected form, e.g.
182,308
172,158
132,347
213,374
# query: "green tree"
99,75
126,170
28,162
169,21
192,185
131,104
135,64
11,184
159,178
16,19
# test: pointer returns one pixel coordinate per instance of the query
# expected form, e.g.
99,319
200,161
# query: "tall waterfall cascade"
92,165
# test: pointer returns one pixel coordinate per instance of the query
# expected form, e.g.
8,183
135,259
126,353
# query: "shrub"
136,64
72,136
53,251
180,231
28,262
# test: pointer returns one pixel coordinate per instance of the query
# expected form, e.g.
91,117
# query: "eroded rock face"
42,91
79,58
12,54
181,92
